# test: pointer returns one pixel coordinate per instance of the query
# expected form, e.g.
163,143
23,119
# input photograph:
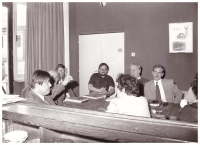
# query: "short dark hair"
39,77
162,67
139,66
194,85
60,65
104,64
129,83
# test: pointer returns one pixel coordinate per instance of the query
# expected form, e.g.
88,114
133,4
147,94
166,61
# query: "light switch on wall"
133,54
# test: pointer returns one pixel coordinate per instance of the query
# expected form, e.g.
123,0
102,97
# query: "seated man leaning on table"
136,71
163,90
55,77
128,102
40,91
101,82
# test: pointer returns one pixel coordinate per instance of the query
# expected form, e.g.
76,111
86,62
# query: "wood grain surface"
100,125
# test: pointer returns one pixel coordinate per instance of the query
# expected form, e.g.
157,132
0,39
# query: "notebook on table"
76,100
94,95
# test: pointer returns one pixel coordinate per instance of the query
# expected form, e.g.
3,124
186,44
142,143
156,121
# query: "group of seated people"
133,91
48,87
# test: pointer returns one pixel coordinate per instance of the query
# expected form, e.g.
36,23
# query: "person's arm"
112,108
111,91
177,93
60,87
145,111
146,92
93,89
189,96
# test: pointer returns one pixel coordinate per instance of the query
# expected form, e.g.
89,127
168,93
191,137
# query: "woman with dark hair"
189,112
128,102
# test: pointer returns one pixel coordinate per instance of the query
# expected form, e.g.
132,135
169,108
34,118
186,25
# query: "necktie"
158,96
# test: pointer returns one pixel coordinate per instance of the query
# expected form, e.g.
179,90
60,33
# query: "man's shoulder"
143,80
30,94
149,83
169,81
108,76
95,75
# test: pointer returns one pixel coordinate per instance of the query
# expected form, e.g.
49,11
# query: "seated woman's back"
127,101
130,105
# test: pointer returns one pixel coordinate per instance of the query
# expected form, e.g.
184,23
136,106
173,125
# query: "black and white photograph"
99,72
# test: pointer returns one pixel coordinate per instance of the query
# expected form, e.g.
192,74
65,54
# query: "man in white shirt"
160,89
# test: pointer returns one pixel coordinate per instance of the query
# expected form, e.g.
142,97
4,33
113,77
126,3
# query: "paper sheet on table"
11,98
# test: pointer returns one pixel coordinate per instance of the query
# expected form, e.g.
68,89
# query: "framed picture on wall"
181,37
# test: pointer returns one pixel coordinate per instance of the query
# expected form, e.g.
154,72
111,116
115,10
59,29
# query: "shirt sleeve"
145,111
112,108
92,79
111,82
56,90
146,94
177,93
189,96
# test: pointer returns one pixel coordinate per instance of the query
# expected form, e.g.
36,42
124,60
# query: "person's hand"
67,79
108,94
102,90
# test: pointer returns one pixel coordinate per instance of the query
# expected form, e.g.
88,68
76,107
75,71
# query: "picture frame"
181,37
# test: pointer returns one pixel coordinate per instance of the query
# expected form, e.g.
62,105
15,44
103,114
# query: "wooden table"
171,111
50,123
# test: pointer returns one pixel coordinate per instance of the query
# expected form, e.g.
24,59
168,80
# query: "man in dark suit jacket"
40,92
169,91
136,72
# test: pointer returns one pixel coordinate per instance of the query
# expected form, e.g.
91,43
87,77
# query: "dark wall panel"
73,45
146,27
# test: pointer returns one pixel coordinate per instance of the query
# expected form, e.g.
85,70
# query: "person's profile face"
44,89
61,71
103,70
157,73
134,71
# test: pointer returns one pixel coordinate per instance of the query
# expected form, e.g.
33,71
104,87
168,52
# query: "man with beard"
101,82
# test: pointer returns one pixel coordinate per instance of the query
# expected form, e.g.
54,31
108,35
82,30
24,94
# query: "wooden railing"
76,125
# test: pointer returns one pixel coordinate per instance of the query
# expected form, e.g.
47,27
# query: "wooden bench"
76,125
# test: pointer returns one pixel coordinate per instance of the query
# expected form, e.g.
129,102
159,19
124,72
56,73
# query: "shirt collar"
159,81
101,76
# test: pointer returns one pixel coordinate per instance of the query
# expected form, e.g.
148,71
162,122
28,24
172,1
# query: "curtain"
44,37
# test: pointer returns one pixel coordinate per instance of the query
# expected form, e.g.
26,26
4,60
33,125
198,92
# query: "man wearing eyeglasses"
164,90
101,82
40,88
